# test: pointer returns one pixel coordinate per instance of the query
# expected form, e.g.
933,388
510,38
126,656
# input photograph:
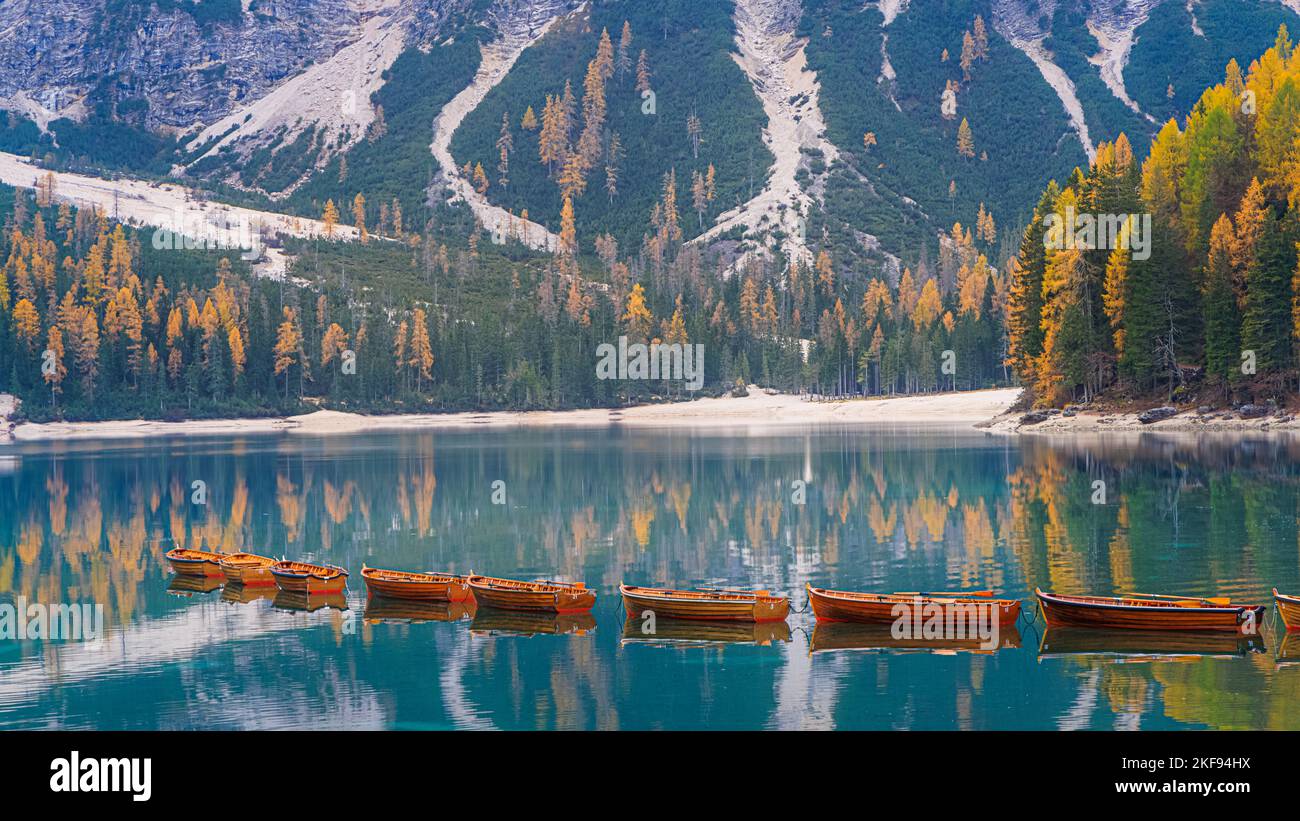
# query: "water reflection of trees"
882,510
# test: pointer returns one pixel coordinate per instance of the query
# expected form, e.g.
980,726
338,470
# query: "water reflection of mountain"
874,510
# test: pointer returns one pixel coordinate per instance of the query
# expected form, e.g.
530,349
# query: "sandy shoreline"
758,410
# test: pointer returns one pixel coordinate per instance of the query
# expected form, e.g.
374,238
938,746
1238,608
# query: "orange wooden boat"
1141,612
879,608
398,584
705,605
248,569
543,596
300,577
1289,608
195,562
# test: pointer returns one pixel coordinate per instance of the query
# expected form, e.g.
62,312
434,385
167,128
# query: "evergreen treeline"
1213,310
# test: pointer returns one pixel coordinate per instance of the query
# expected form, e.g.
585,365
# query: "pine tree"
967,55
359,217
288,342
965,140
421,353
1266,316
55,375
1025,295
637,319
643,73
330,217
1222,315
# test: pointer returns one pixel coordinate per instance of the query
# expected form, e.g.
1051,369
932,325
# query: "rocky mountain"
827,121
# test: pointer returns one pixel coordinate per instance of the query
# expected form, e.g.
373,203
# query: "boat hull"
870,608
195,562
1288,607
700,606
442,587
507,594
1137,614
248,569
295,577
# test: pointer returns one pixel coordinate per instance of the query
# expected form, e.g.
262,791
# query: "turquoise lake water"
866,508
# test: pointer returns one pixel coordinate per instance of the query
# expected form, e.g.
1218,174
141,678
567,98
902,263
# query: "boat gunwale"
1293,601
245,560
283,568
369,574
520,586
1116,603
724,597
895,598
204,556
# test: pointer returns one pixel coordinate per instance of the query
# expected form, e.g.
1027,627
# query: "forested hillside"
701,120
1213,312
97,323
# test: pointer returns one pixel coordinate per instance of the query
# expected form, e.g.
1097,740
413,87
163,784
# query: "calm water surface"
883,509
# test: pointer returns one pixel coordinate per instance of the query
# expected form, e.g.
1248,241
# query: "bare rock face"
1147,417
176,69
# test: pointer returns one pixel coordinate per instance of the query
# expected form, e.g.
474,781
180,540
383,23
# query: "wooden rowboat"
195,562
880,608
300,577
705,605
398,584
248,569
540,596
1289,608
1150,613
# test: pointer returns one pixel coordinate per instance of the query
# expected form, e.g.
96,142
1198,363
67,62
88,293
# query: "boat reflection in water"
184,585
308,602
1146,645
688,632
494,621
1288,652
381,609
237,593
836,635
